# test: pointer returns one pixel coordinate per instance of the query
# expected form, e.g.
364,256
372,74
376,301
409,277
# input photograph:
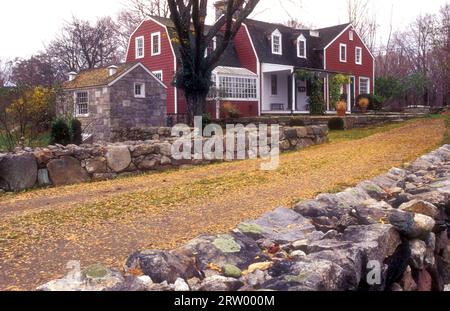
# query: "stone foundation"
389,233
59,165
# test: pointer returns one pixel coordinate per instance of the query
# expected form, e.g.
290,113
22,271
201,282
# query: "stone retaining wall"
389,233
350,121
59,165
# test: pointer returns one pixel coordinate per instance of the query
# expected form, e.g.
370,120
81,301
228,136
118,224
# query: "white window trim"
142,90
76,104
368,85
356,55
351,35
299,40
159,72
143,47
214,43
251,99
153,35
277,33
341,45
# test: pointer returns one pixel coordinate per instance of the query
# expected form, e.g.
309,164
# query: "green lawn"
42,140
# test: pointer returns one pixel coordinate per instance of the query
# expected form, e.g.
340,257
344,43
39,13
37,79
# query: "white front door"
302,97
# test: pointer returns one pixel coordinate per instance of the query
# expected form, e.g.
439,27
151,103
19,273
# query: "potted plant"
363,103
341,108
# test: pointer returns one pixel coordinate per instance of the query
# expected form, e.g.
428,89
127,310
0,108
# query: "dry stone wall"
64,165
389,233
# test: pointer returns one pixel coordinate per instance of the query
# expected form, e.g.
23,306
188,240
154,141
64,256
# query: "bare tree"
194,76
81,45
365,23
297,24
39,69
5,72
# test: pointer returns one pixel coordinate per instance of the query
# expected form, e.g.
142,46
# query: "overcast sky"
27,25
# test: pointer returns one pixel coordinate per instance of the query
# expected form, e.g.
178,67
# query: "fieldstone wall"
389,233
59,165
350,121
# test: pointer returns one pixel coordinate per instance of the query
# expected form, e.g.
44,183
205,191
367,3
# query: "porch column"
349,98
327,91
294,92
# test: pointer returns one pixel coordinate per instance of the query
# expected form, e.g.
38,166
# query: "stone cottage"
114,98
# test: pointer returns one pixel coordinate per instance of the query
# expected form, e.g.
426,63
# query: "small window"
140,51
277,46
343,53
358,56
364,85
82,104
274,82
301,47
156,43
139,90
158,74
350,35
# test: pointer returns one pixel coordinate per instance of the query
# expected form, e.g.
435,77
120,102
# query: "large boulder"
66,171
18,172
421,207
282,226
162,266
412,225
118,158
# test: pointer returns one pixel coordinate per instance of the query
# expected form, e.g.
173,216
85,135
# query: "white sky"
27,25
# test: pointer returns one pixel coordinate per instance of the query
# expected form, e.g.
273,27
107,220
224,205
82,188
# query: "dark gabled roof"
329,33
229,57
97,77
261,33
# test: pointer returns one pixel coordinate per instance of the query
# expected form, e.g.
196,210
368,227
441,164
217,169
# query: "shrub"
336,124
76,132
375,101
231,110
60,133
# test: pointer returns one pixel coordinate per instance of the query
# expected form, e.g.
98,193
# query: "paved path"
42,230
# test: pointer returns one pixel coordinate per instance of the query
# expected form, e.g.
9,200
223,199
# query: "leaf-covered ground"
104,222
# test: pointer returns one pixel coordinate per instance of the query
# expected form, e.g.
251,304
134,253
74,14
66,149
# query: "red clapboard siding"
164,61
350,67
245,50
246,108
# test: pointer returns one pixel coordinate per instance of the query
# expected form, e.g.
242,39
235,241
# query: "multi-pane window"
237,87
156,43
139,90
364,85
343,52
82,104
140,47
158,74
276,43
358,56
274,84
301,47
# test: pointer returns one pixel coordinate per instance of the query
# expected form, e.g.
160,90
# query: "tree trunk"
196,105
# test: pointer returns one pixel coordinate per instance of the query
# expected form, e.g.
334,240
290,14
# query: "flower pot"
363,109
341,112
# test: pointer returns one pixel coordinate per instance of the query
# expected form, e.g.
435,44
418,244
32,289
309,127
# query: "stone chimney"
72,75
112,70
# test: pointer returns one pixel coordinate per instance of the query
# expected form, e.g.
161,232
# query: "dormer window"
277,45
140,47
301,47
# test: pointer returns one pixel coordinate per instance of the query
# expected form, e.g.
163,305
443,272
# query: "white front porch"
283,93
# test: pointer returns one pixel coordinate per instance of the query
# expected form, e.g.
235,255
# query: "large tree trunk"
196,106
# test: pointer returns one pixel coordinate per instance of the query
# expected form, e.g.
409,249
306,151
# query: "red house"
257,72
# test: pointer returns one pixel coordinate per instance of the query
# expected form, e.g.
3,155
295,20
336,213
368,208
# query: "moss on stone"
250,228
232,271
97,271
227,244
296,278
